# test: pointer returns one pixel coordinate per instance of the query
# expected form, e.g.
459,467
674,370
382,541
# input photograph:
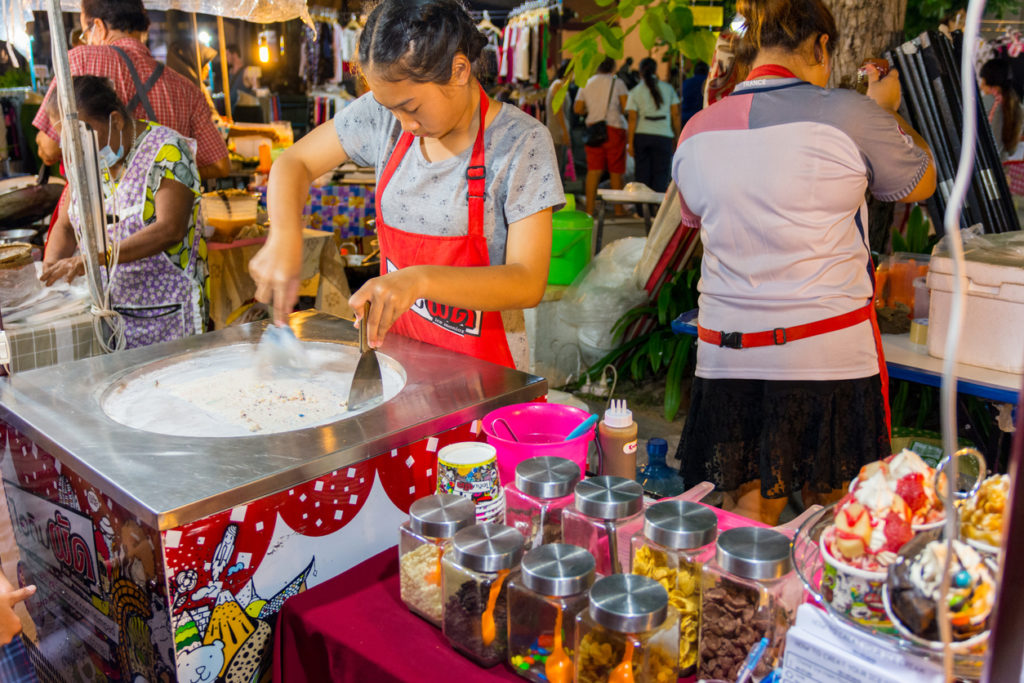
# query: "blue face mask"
108,156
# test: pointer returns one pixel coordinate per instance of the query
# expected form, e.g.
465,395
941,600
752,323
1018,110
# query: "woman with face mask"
465,189
151,195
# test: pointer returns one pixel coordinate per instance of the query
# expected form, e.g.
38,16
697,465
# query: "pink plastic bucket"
541,429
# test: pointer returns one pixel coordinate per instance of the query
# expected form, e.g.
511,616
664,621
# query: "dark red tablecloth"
356,628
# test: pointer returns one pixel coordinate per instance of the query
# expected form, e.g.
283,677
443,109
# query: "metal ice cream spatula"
367,387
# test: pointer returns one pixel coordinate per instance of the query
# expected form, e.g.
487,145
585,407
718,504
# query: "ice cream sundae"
915,588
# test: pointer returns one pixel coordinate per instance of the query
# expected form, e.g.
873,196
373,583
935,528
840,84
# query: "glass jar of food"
543,602
748,592
474,573
629,632
678,537
535,501
602,505
422,541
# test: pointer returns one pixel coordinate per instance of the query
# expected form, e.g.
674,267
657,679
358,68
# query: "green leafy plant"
917,240
660,350
661,23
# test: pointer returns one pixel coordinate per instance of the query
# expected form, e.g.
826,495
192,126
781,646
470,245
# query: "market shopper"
603,99
112,29
558,121
151,191
464,199
654,124
790,390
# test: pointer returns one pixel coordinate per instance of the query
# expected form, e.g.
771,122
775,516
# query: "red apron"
779,335
475,333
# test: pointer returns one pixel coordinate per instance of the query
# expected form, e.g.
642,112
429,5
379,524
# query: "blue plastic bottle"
657,478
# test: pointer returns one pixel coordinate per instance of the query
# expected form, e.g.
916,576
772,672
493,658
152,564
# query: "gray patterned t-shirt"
432,197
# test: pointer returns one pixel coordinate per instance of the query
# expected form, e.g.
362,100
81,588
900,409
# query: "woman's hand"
389,297
884,91
10,624
630,149
63,269
275,268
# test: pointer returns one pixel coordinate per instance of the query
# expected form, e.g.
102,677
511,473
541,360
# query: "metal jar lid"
754,553
441,515
609,497
558,569
487,547
628,603
547,476
679,524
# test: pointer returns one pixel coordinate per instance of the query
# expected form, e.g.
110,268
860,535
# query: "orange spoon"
487,630
558,667
434,575
623,673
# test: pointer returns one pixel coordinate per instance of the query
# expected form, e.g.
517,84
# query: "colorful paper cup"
470,469
853,592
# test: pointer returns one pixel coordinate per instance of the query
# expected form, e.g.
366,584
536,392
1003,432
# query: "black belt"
655,118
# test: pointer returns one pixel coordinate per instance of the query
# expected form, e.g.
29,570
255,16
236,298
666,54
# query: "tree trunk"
867,28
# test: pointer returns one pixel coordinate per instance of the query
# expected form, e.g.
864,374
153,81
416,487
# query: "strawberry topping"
911,489
897,532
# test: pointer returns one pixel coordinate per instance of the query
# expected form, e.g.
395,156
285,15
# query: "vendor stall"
144,572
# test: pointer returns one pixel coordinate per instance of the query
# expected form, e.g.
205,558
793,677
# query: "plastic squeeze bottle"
616,436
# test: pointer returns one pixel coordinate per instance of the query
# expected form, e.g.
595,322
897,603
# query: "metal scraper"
367,387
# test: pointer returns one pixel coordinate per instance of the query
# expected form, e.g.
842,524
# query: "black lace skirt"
787,434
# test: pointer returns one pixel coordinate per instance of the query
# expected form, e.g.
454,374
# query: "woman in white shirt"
653,111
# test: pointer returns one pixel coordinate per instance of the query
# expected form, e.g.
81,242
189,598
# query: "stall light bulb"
205,38
264,54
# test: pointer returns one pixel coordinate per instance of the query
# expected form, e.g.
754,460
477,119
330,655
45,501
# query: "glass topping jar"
677,538
748,592
543,602
534,503
629,627
602,506
474,573
422,541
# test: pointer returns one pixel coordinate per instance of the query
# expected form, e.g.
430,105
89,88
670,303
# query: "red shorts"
611,156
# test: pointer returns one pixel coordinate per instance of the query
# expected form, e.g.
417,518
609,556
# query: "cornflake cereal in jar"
422,541
628,625
678,537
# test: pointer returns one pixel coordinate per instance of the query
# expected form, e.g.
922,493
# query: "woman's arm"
631,132
520,283
173,204
276,267
886,93
59,261
677,119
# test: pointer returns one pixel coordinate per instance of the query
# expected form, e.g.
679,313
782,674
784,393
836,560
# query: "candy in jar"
543,602
749,592
628,632
474,575
423,539
677,538
534,502
601,506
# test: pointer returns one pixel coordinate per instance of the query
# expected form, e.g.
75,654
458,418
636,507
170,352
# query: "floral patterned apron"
158,299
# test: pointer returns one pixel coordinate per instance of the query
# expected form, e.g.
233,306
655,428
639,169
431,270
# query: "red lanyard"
770,70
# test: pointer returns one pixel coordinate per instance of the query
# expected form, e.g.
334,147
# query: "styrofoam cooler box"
993,333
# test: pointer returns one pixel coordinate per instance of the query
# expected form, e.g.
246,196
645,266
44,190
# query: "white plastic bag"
601,294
